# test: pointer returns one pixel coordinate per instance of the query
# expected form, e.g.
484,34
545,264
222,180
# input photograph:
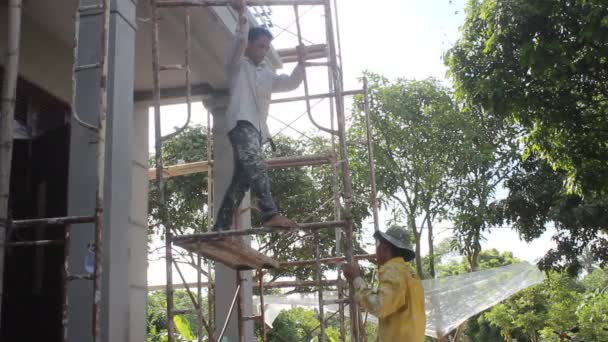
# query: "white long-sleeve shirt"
251,86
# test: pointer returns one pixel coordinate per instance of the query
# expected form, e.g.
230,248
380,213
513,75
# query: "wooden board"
230,252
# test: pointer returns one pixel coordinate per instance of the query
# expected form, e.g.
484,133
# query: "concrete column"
115,317
138,228
225,278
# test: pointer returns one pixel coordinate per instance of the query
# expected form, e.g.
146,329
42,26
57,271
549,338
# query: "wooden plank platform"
231,252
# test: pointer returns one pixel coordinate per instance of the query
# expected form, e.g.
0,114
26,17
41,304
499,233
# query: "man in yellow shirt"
398,302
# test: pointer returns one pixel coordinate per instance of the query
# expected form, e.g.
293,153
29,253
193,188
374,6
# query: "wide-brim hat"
398,237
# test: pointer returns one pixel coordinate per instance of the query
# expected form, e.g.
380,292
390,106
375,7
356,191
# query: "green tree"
488,158
542,64
540,312
412,121
593,317
592,312
299,324
522,316
186,325
537,198
489,258
480,330
442,250
596,281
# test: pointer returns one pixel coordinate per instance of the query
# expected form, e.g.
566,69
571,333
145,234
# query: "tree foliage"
185,196
537,198
186,325
488,258
542,65
299,324
488,155
416,136
560,305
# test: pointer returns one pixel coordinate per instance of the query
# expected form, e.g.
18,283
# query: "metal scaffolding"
7,225
338,159
210,244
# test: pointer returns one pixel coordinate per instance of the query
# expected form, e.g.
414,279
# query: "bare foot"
280,221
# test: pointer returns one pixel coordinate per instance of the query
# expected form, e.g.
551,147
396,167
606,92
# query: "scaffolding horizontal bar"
316,96
326,261
317,64
34,243
196,91
312,160
309,56
87,67
301,283
85,8
202,237
271,285
180,3
275,163
52,221
290,52
172,67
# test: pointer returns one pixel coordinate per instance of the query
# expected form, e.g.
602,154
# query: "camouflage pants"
250,172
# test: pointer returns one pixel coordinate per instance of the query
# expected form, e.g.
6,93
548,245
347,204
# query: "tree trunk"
476,250
459,331
431,248
475,260
417,234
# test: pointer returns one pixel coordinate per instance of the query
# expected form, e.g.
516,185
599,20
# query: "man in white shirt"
251,84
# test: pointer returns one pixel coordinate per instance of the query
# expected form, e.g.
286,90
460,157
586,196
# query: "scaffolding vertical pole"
66,274
101,158
339,47
319,278
305,79
262,308
341,312
210,219
240,307
317,241
159,172
210,296
9,93
346,178
199,259
336,194
370,156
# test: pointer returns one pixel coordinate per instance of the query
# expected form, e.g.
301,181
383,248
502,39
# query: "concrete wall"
43,60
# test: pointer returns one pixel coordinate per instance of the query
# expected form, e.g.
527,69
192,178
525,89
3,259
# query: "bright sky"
396,38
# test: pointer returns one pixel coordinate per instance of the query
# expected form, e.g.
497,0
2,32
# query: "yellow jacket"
398,302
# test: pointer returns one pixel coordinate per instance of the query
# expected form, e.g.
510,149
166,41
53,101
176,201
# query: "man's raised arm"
240,37
283,83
